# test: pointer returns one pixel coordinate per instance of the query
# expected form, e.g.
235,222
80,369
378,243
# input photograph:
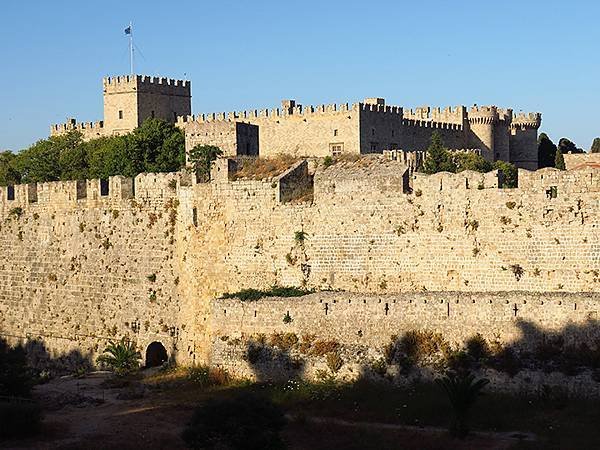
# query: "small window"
195,216
335,132
10,193
120,114
372,131
392,133
152,114
336,148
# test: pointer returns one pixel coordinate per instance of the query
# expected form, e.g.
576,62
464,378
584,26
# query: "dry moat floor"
150,411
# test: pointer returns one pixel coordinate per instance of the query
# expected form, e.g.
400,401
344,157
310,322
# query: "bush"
15,376
19,418
121,357
276,291
206,377
477,347
247,421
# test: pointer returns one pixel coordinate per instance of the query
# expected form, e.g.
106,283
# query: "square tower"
131,99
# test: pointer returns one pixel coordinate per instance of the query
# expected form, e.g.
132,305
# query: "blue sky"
530,55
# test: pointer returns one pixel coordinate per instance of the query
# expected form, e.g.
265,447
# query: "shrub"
284,341
206,377
517,271
121,357
151,277
19,418
462,391
327,161
287,318
423,346
15,376
511,205
17,212
275,291
321,348
477,347
247,421
300,237
334,361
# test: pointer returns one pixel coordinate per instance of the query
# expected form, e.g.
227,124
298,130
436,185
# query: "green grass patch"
249,295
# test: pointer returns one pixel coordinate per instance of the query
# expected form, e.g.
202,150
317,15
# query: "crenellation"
370,228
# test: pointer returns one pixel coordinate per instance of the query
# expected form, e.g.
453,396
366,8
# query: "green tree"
471,161
559,161
566,146
438,157
107,156
155,146
595,146
546,151
8,173
39,163
201,158
72,157
462,390
509,173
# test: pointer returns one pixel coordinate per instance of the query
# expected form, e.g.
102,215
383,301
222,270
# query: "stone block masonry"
84,262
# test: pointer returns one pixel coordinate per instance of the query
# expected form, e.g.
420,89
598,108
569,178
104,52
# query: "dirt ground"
92,413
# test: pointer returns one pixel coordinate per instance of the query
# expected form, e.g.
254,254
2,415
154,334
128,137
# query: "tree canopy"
201,158
566,146
546,151
595,146
155,146
440,159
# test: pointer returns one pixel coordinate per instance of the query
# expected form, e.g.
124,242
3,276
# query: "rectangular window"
120,114
10,193
336,148
152,114
335,132
372,131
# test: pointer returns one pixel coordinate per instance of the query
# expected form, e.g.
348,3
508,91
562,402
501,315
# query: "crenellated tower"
131,99
523,140
482,122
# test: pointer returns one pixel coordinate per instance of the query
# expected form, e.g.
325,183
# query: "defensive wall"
252,339
85,262
372,127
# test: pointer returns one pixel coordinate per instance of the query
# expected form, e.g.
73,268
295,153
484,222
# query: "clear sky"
529,55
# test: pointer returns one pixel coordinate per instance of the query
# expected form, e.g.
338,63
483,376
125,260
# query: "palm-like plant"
462,390
122,357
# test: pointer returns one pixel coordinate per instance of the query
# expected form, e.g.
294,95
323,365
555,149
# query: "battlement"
483,114
527,120
455,115
72,125
144,83
146,187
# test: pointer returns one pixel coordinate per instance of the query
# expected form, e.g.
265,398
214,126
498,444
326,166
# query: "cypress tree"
438,157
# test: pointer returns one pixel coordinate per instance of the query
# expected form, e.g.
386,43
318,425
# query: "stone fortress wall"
374,127
84,262
325,130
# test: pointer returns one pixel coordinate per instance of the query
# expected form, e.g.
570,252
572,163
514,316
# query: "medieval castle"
360,128
383,250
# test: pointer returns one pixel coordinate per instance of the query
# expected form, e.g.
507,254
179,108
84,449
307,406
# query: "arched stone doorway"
156,354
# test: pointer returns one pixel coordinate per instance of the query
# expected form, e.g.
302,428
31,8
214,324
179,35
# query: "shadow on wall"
40,359
572,350
274,360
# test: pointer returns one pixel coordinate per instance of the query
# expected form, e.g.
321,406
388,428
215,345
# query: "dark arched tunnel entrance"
156,354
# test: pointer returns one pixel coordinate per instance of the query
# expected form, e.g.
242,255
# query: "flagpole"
131,47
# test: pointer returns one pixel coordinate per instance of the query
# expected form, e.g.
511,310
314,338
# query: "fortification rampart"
157,85
145,259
